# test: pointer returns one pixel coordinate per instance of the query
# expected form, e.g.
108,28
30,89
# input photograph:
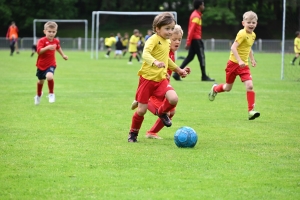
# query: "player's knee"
49,76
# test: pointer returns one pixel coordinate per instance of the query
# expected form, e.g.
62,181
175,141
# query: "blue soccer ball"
185,137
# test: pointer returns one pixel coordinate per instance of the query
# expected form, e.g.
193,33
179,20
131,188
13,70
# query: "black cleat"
132,137
176,76
165,119
206,78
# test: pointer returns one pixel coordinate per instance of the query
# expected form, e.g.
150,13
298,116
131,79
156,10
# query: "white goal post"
96,23
63,20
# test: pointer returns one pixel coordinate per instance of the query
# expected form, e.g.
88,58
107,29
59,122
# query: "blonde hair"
178,30
250,15
162,19
50,24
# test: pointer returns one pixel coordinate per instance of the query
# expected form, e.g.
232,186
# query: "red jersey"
46,59
172,56
195,27
12,32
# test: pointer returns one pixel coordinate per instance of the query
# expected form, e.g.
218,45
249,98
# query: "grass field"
76,148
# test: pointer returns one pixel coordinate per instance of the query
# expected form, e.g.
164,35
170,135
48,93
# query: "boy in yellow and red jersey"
155,102
296,47
238,63
12,36
152,75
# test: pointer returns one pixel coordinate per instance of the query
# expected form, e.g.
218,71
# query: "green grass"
76,148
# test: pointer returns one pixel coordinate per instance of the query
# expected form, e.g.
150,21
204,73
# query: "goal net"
96,26
63,20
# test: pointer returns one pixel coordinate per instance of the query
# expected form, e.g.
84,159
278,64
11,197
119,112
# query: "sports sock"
136,123
219,88
51,86
39,89
130,58
138,58
151,107
295,58
158,125
165,107
251,100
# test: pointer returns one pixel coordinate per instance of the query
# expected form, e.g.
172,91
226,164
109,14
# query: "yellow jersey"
297,45
156,48
245,41
110,41
133,42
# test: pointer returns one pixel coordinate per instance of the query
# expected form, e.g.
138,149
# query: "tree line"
219,15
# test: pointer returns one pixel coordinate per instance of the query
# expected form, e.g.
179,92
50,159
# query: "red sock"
39,89
158,125
251,100
165,107
219,88
51,86
136,123
151,107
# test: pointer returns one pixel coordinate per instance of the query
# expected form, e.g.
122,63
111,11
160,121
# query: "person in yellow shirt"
108,43
153,74
125,43
133,44
238,63
296,47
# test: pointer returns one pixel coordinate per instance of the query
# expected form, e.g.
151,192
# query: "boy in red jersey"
12,36
194,41
153,74
155,102
238,63
46,63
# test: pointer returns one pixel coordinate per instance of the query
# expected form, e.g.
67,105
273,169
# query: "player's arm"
252,60
191,29
60,51
234,47
8,31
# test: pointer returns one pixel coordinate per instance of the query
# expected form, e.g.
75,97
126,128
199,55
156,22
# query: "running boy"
46,63
238,63
155,102
153,73
12,36
296,47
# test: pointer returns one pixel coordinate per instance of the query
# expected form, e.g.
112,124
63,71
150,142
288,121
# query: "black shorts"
41,74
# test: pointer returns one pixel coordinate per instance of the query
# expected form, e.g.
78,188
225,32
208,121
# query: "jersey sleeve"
195,21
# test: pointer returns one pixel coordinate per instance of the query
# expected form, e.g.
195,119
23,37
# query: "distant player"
125,41
296,47
33,49
46,63
238,63
133,45
119,47
12,36
108,44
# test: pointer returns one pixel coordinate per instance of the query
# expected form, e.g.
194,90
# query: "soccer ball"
185,137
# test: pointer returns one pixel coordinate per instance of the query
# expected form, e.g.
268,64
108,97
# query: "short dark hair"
197,4
297,33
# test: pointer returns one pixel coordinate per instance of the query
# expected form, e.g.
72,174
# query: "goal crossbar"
63,20
96,14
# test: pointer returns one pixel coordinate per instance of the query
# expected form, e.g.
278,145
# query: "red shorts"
158,101
147,88
233,69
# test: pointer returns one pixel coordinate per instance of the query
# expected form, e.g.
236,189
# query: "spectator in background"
149,33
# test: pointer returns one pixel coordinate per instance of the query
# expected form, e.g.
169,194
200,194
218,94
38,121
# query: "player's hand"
188,70
159,64
65,57
253,63
187,47
241,64
52,47
182,73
